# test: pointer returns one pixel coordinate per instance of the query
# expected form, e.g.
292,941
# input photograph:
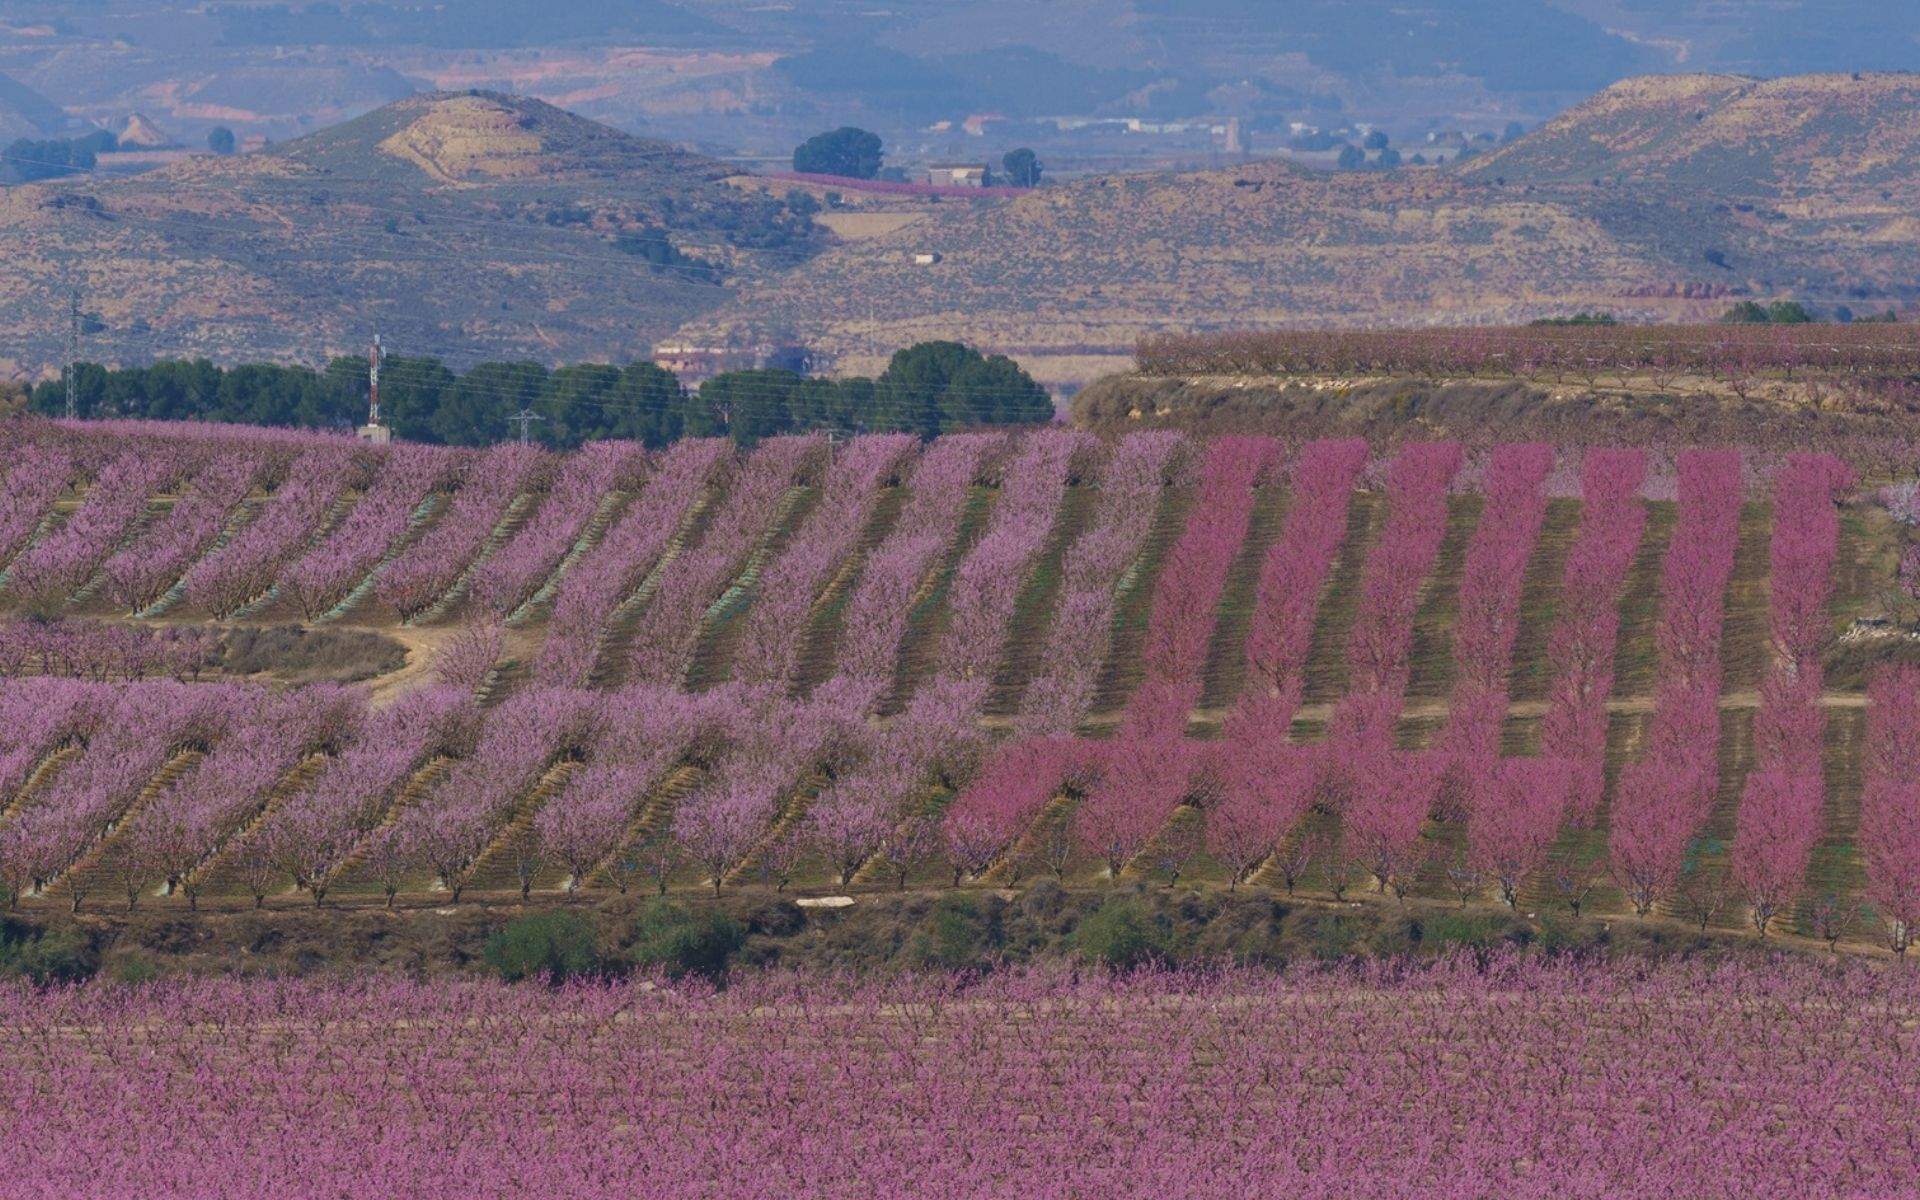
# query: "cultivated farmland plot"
1507,1077
1657,683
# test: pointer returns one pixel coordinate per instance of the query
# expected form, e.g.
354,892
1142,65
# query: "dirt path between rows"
1430,709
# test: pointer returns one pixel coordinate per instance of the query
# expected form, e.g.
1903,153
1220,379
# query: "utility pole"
525,419
73,353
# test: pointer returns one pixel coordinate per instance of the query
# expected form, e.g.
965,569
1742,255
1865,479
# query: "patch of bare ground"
424,646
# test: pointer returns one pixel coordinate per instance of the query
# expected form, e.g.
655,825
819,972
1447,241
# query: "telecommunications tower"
373,431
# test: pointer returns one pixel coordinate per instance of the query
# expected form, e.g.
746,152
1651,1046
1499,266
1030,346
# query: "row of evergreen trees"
928,389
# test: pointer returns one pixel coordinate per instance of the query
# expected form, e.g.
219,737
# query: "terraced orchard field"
1668,685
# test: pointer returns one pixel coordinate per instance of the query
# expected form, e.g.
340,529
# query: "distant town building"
1446,144
695,364
1235,138
957,174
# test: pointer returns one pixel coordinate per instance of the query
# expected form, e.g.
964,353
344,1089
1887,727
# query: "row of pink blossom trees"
51,570
1380,645
584,827
146,726
880,805
448,832
1133,487
310,839
589,478
140,574
786,593
1488,613
104,650
434,563
408,477
1148,767
1664,797
892,576
247,568
1586,630
34,480
670,625
1889,833
1012,788
1782,809
596,585
179,830
40,718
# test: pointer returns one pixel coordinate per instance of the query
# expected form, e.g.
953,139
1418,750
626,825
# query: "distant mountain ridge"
1805,134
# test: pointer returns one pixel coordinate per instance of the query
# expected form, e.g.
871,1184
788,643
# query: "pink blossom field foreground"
1500,1077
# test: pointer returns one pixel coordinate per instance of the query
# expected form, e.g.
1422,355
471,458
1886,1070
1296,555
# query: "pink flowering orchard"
1217,766
1153,1085
703,566
835,664
1343,624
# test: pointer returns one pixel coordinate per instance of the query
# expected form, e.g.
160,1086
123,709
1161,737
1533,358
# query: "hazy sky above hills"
746,75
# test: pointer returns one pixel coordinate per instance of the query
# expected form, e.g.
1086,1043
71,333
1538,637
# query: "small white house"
957,174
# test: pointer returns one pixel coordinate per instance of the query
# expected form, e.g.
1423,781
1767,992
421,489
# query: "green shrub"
679,942
955,936
46,956
551,945
133,970
1122,935
1442,931
1334,935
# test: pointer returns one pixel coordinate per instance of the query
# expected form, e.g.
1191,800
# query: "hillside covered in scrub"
1660,198
469,224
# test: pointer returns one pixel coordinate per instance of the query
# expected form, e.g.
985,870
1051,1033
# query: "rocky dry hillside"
1661,198
462,224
